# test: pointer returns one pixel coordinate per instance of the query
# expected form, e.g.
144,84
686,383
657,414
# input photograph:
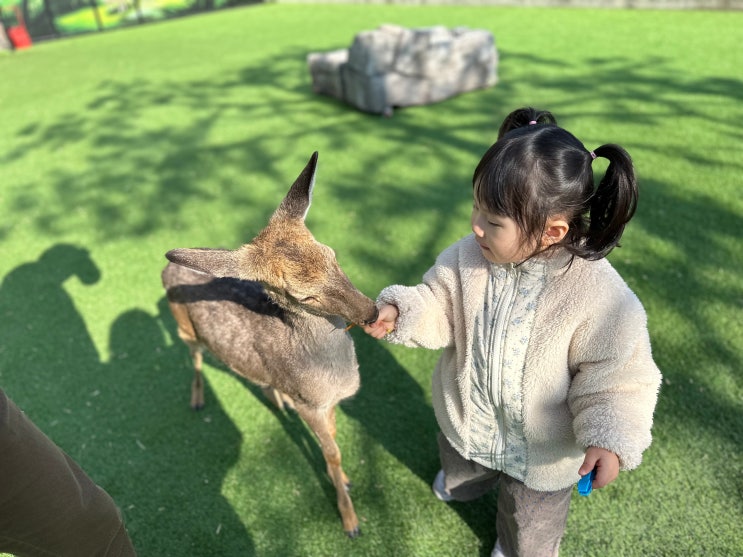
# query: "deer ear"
297,201
215,262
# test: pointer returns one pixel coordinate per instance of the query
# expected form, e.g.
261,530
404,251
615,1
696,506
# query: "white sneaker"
438,488
497,551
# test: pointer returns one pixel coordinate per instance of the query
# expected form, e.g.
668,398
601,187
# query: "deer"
275,311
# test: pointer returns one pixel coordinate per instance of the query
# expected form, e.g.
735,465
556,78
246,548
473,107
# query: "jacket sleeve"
615,387
426,310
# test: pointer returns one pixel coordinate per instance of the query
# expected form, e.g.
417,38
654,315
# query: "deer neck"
312,327
315,329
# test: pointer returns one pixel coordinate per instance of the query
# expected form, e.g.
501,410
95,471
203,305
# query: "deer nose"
373,319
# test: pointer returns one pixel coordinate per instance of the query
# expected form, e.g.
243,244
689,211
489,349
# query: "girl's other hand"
385,323
606,464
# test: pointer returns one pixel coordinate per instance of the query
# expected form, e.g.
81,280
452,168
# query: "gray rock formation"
393,66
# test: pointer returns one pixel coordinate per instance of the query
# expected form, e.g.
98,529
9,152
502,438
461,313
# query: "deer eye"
310,300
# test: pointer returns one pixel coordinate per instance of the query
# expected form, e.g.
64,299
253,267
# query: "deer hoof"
197,400
355,533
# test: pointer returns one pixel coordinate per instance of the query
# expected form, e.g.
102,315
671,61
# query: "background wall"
645,4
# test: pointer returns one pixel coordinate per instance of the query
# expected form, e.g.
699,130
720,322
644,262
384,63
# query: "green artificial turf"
116,147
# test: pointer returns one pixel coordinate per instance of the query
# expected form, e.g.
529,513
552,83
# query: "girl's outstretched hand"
385,323
606,464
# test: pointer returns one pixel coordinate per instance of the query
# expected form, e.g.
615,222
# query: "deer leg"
197,386
274,396
279,399
288,402
322,424
332,429
187,334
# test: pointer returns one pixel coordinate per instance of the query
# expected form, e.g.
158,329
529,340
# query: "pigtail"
613,203
523,117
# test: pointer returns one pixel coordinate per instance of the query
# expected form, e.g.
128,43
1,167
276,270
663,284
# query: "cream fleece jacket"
589,378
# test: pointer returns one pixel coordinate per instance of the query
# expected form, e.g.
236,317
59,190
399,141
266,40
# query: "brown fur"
277,316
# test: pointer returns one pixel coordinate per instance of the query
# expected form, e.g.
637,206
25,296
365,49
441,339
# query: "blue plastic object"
585,483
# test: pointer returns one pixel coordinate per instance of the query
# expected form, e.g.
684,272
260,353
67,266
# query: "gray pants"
529,523
48,505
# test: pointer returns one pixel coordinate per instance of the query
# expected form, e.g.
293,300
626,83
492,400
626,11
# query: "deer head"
297,270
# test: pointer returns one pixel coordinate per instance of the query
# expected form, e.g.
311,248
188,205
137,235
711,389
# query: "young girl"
546,372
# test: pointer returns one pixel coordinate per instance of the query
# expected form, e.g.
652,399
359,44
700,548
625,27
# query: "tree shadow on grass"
128,126
691,282
128,122
120,420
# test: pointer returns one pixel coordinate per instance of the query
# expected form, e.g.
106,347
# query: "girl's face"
499,237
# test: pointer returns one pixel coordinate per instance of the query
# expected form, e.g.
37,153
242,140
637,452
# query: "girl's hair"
537,170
